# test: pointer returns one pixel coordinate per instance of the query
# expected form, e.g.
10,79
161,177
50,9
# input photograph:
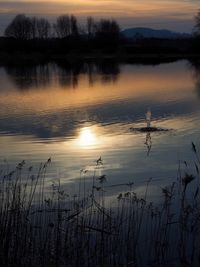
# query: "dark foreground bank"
82,48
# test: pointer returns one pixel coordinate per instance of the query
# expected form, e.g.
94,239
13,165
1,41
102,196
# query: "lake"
76,113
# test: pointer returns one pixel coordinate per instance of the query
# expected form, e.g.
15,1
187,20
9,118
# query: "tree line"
66,34
28,28
197,25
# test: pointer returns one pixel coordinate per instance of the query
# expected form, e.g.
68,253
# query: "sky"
177,15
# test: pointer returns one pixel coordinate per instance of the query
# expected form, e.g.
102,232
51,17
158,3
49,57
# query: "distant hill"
152,33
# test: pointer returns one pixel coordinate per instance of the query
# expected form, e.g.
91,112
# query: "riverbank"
74,50
19,58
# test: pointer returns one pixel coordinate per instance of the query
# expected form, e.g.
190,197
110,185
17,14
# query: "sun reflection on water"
87,137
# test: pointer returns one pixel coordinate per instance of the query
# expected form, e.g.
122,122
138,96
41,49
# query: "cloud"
103,6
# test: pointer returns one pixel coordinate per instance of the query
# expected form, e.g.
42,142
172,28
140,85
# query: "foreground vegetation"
39,227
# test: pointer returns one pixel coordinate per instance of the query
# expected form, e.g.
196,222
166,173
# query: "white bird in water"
148,118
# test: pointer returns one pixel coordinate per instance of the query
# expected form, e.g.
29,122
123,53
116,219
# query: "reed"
54,229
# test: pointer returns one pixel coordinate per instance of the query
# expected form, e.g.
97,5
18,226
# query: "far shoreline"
20,58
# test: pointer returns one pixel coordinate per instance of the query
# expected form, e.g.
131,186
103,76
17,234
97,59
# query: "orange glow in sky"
126,7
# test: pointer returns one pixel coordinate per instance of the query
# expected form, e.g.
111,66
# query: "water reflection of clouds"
56,112
63,123
76,127
123,154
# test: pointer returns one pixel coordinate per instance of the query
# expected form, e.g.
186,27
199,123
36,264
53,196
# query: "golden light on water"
134,82
87,138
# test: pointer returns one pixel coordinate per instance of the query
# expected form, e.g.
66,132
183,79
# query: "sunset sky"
176,15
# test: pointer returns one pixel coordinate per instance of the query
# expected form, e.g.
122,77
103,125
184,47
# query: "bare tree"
197,24
74,26
63,26
33,27
40,28
90,27
19,28
43,28
108,29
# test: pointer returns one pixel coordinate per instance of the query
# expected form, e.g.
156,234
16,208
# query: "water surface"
75,114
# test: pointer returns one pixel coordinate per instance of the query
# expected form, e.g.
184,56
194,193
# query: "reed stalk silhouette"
54,229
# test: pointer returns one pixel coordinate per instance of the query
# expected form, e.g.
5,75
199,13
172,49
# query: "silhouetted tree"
63,26
74,26
33,27
197,24
108,29
102,34
107,33
19,28
42,28
91,26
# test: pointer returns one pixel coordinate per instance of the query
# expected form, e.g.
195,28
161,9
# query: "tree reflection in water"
195,67
35,76
148,143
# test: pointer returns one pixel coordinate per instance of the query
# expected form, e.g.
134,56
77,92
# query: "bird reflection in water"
148,143
148,129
